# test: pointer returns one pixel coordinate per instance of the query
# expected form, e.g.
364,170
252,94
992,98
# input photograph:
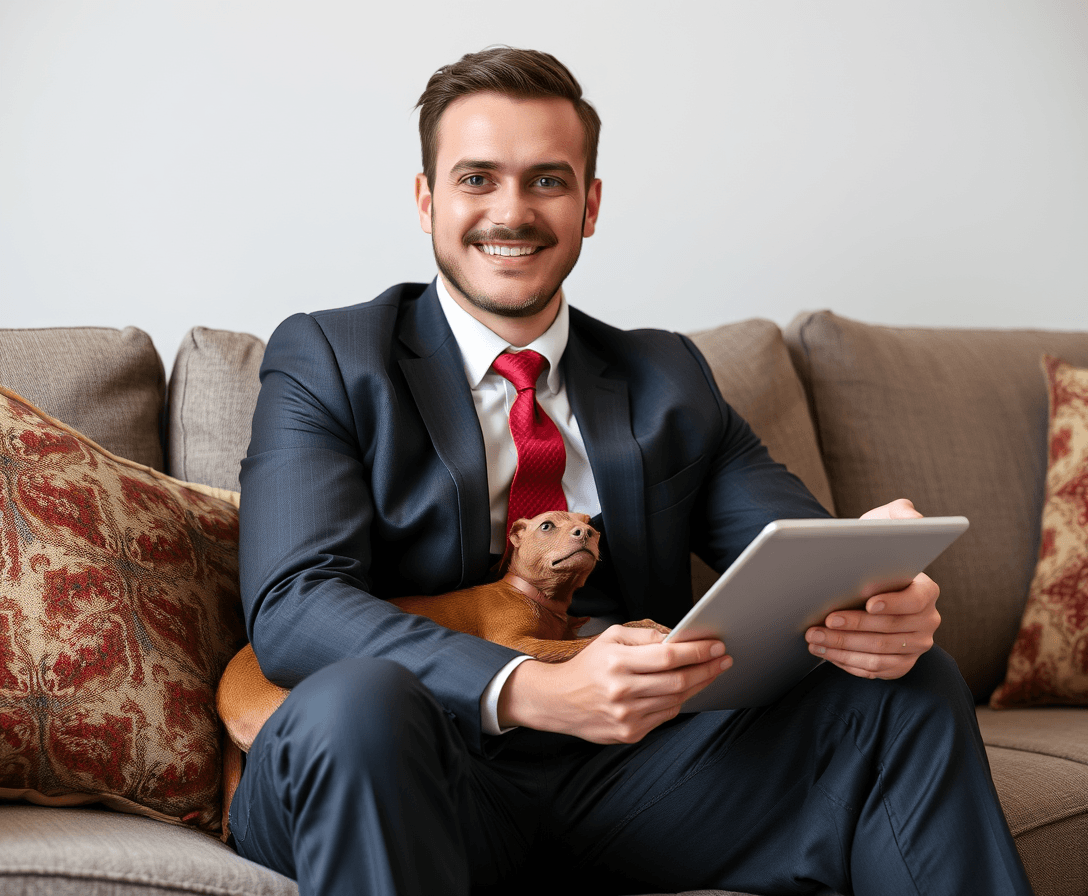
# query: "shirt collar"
480,345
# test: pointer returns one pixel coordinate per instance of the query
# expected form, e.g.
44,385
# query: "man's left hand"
886,638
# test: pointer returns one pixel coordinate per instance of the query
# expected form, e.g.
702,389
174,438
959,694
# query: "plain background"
166,163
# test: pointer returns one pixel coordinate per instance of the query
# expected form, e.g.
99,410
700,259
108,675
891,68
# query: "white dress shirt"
493,396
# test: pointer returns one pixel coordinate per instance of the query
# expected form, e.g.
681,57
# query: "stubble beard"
531,305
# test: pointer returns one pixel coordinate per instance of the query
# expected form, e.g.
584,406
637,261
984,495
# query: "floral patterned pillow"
1049,661
119,608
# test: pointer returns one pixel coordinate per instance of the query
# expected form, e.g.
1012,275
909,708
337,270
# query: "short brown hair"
526,74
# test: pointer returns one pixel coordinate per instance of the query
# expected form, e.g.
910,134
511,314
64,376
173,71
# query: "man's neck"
518,331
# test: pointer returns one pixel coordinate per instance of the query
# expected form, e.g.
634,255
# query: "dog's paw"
648,623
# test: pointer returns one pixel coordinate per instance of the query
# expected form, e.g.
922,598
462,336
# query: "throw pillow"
1049,660
119,609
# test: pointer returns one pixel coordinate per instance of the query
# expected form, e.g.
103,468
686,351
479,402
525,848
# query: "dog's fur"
547,559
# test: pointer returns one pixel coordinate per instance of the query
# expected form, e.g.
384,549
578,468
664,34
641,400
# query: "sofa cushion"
1049,660
1039,759
956,421
213,391
108,384
119,609
93,852
753,370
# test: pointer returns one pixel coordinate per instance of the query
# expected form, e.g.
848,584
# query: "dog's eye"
546,525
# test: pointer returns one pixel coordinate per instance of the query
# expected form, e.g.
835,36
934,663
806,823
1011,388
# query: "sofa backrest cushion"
956,421
108,384
213,391
752,368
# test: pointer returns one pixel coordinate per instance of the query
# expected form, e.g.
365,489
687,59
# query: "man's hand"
623,685
886,638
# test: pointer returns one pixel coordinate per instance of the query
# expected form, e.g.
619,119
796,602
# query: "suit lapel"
602,408
436,379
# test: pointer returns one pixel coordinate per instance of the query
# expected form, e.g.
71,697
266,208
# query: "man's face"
509,205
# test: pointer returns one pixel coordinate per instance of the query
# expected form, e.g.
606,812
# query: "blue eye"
546,525
475,180
548,182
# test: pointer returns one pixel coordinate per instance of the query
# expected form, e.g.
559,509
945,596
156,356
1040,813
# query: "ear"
593,208
513,542
423,202
517,531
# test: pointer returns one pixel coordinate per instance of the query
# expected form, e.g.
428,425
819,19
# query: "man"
413,759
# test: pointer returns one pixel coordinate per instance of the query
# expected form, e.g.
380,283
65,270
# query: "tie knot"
521,368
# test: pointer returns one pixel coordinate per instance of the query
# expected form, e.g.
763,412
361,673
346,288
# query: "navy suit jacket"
366,479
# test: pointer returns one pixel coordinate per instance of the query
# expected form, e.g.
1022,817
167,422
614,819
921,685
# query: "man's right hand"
623,685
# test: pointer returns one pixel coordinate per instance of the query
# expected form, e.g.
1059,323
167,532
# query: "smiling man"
394,444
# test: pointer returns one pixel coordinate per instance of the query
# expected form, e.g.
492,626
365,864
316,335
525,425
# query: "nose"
582,533
512,207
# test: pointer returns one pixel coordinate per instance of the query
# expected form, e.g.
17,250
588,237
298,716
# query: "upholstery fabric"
109,384
956,421
753,370
1039,760
213,390
119,609
1049,660
94,852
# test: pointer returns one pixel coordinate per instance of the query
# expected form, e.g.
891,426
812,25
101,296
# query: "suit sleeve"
744,489
307,541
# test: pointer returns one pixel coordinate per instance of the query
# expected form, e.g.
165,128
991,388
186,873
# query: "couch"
954,419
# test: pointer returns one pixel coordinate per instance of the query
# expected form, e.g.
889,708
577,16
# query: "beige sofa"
954,419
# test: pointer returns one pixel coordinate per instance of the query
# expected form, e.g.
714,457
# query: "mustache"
528,234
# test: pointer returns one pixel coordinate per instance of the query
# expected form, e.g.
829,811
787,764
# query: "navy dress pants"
360,784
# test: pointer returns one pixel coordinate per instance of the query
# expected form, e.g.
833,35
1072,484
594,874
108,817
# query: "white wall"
165,163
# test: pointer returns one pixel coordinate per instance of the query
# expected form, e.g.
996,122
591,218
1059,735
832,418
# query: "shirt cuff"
489,700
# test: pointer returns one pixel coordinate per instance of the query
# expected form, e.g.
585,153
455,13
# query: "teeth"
507,250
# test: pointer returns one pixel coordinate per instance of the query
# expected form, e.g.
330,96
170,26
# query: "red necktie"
538,479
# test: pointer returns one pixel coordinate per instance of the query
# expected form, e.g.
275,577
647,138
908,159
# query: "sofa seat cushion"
95,852
1039,759
955,420
109,384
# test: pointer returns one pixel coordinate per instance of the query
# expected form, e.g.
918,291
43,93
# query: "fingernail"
816,636
818,650
726,663
877,607
717,649
836,622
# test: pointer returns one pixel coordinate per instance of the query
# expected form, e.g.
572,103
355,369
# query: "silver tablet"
791,577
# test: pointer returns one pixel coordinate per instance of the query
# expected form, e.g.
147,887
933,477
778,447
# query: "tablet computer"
792,575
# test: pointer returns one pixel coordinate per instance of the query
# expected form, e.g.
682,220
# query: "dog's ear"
513,542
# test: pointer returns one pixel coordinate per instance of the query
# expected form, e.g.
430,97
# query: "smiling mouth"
504,250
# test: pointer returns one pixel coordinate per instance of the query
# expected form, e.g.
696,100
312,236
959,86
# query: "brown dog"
547,559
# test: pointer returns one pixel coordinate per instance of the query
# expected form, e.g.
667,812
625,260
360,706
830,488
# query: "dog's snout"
582,533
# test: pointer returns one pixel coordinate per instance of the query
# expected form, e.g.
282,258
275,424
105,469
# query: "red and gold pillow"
1049,661
119,608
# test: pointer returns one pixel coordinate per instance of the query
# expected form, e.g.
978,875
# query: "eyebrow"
486,165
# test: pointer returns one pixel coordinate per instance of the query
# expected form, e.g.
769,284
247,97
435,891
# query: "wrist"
524,697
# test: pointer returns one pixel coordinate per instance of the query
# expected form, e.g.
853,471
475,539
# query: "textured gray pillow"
107,384
213,391
956,421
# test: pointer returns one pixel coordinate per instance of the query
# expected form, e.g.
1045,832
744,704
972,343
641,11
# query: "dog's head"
555,551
